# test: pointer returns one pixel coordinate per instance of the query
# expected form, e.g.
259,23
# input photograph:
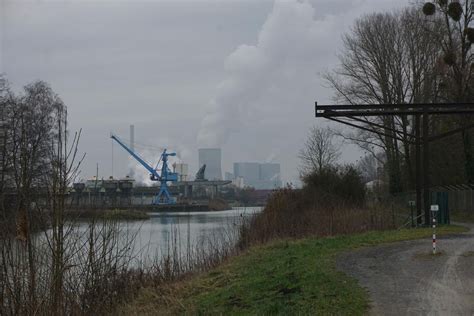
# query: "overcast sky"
240,75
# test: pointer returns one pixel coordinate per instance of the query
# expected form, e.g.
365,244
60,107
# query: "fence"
451,199
461,199
403,206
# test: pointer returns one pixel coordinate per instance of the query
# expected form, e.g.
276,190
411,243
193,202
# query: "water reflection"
151,239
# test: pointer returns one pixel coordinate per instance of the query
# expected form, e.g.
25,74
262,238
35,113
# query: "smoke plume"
265,100
287,41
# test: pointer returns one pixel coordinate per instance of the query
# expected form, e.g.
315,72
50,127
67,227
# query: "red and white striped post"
434,212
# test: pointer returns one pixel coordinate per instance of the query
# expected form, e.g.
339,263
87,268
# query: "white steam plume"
289,38
151,156
269,88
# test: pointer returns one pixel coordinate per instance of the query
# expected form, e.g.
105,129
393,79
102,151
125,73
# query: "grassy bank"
283,277
108,214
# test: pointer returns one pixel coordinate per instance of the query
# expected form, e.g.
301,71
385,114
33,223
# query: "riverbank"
212,205
284,277
108,214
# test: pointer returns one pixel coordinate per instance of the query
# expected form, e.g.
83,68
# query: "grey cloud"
164,65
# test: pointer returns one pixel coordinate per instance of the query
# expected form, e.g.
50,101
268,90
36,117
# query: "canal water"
176,233
166,244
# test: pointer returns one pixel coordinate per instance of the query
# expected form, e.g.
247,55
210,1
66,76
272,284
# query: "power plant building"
182,170
228,176
261,176
249,171
211,157
269,171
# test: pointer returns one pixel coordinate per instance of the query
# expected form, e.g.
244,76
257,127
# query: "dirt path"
404,279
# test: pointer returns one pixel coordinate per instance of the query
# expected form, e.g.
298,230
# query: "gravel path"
404,279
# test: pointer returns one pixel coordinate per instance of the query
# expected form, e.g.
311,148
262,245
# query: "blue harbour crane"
164,175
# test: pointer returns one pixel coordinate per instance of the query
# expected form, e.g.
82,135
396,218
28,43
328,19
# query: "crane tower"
163,176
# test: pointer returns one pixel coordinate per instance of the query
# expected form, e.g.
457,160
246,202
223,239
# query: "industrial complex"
212,158
261,176
173,186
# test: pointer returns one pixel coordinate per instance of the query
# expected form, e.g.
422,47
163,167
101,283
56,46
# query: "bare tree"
388,58
455,39
53,268
370,167
33,130
4,91
319,151
65,167
33,157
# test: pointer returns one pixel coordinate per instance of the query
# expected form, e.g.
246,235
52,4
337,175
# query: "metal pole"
418,168
112,158
426,168
434,233
434,211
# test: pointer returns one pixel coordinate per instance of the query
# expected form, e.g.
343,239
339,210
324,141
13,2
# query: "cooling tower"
211,157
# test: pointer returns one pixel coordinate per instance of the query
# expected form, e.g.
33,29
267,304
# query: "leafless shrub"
294,213
48,266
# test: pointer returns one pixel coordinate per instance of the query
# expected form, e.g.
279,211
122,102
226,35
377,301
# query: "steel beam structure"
352,114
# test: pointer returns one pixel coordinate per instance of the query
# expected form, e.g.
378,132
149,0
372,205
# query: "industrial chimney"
131,173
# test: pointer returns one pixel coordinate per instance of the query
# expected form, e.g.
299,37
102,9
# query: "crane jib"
152,170
163,196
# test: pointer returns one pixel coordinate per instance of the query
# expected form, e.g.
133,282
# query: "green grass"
108,214
463,217
285,277
125,215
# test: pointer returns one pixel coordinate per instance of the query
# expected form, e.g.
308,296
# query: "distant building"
211,157
249,171
269,171
238,182
228,176
182,170
265,176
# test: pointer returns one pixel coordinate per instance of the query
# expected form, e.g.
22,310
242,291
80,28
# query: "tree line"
32,152
420,54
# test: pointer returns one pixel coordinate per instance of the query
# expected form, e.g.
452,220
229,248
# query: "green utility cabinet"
441,199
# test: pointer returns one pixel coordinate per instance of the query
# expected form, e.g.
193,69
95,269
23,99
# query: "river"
97,255
176,233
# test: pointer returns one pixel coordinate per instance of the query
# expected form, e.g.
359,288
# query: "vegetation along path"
296,277
405,279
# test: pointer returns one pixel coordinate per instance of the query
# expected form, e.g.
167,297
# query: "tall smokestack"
131,173
132,137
